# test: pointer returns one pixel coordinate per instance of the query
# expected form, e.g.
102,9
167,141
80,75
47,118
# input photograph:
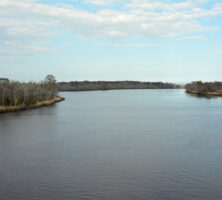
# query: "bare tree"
15,93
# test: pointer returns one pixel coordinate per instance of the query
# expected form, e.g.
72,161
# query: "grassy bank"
4,109
206,94
205,89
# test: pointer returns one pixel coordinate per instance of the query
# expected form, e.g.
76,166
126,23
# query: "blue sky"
146,40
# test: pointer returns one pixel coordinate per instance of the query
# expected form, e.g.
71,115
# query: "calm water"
114,145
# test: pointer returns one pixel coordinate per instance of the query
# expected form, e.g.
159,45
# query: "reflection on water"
114,145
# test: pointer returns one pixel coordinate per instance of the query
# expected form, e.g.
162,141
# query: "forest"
14,93
112,85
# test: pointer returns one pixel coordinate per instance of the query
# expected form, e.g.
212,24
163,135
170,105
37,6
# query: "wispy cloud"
30,23
14,48
219,51
126,44
165,5
104,2
196,37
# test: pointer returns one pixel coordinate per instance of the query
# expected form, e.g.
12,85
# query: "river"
114,145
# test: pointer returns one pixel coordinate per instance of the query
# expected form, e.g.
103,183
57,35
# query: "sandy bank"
4,109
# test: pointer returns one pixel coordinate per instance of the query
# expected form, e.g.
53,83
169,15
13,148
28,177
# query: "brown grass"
4,109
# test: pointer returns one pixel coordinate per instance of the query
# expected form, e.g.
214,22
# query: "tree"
16,93
50,79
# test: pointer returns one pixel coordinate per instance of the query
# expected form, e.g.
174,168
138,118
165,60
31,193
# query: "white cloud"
196,37
16,48
127,44
104,2
164,4
32,24
219,51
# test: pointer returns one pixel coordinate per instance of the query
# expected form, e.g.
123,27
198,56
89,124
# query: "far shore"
207,94
5,109
113,85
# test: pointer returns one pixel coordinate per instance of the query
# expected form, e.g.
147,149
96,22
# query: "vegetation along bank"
16,96
112,85
208,89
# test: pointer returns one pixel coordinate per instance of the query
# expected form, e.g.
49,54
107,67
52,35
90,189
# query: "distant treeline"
13,93
204,88
112,85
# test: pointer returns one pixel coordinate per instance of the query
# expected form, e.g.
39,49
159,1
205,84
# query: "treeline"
13,93
203,88
112,85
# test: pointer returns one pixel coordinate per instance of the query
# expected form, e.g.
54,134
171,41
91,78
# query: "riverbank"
4,109
205,89
112,85
207,94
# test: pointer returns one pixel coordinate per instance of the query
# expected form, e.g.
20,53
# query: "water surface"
114,145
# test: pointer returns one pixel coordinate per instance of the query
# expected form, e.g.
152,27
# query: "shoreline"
112,85
208,94
5,109
94,90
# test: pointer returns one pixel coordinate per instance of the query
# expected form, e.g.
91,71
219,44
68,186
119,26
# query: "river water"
114,145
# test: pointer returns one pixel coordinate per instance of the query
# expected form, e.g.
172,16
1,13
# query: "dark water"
114,145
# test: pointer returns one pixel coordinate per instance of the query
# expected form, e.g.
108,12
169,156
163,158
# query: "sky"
146,40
